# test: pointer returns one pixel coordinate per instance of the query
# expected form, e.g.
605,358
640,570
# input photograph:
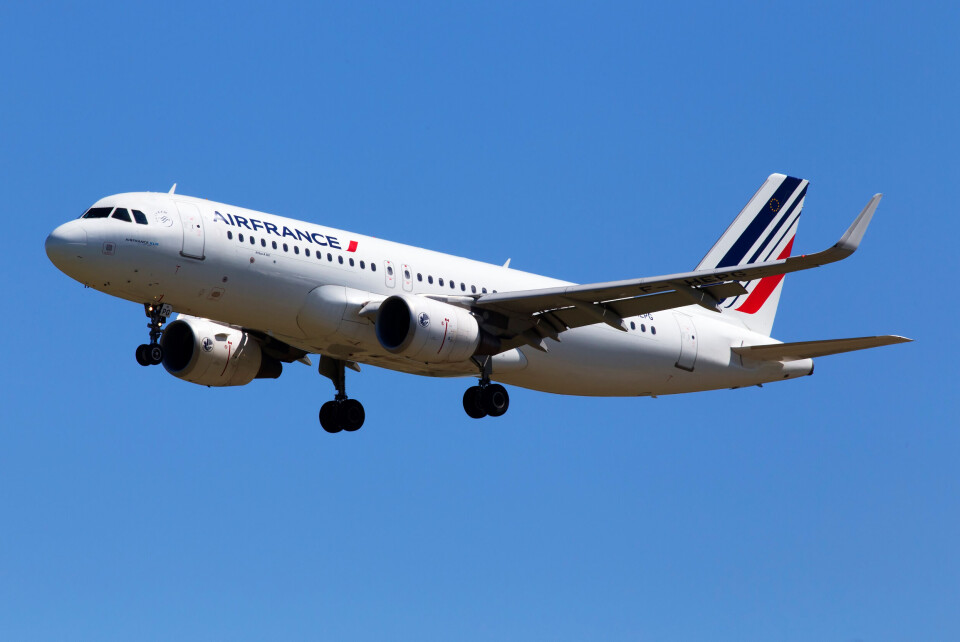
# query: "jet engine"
212,354
430,331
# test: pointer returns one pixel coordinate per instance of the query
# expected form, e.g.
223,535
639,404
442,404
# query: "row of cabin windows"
120,213
453,284
351,261
296,250
643,327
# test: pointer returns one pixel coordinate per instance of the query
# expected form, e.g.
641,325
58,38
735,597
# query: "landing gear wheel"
151,354
495,399
473,402
328,417
351,415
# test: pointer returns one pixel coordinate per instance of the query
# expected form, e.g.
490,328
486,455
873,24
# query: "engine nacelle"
431,331
212,354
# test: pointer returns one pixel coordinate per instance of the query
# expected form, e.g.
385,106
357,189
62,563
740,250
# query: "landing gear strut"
487,398
151,354
341,413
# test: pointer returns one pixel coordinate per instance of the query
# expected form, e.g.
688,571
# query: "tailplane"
810,349
763,231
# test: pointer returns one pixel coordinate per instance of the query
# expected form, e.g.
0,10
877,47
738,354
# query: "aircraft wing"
556,309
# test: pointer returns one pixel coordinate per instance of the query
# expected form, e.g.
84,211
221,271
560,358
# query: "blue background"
588,143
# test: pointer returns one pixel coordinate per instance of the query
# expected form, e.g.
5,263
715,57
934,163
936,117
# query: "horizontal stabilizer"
811,349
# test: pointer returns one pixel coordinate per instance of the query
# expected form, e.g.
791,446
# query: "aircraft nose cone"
65,243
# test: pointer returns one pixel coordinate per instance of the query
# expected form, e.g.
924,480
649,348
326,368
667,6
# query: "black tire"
155,354
328,417
142,357
473,402
495,400
351,415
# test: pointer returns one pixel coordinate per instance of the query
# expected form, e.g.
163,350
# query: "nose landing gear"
341,413
487,398
151,354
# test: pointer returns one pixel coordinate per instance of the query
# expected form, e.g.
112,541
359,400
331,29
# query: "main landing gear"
487,398
341,413
151,354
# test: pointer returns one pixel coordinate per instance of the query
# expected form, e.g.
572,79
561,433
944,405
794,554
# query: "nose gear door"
192,227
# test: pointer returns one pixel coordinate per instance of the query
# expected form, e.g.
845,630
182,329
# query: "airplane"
253,291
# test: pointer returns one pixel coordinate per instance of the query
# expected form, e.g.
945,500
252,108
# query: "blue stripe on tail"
735,254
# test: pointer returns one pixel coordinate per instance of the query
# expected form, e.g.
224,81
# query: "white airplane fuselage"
257,271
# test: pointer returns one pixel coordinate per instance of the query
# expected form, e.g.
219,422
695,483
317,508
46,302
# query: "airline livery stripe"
776,228
765,287
735,254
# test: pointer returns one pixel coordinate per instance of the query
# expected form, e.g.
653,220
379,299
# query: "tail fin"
763,231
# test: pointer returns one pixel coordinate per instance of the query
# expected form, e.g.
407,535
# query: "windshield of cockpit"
119,213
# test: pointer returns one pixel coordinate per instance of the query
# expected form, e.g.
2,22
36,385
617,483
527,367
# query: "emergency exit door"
688,342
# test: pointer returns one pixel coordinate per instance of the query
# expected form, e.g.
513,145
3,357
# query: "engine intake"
212,354
431,331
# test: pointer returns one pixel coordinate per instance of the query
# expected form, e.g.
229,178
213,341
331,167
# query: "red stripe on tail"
765,287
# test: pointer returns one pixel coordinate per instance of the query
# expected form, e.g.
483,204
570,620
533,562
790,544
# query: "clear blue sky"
586,142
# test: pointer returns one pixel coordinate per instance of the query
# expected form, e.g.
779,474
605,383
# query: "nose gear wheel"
151,354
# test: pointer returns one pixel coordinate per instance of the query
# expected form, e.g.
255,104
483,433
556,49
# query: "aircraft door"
192,226
407,277
688,342
389,274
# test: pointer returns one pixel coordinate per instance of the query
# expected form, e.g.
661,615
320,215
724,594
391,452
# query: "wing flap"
811,349
575,318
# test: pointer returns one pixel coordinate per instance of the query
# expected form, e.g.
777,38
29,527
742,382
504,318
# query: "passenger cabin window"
98,212
121,214
139,217
373,267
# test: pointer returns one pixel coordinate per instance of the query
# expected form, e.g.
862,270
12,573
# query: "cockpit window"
98,212
122,214
140,217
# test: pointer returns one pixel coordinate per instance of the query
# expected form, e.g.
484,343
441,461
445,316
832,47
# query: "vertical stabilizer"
763,231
